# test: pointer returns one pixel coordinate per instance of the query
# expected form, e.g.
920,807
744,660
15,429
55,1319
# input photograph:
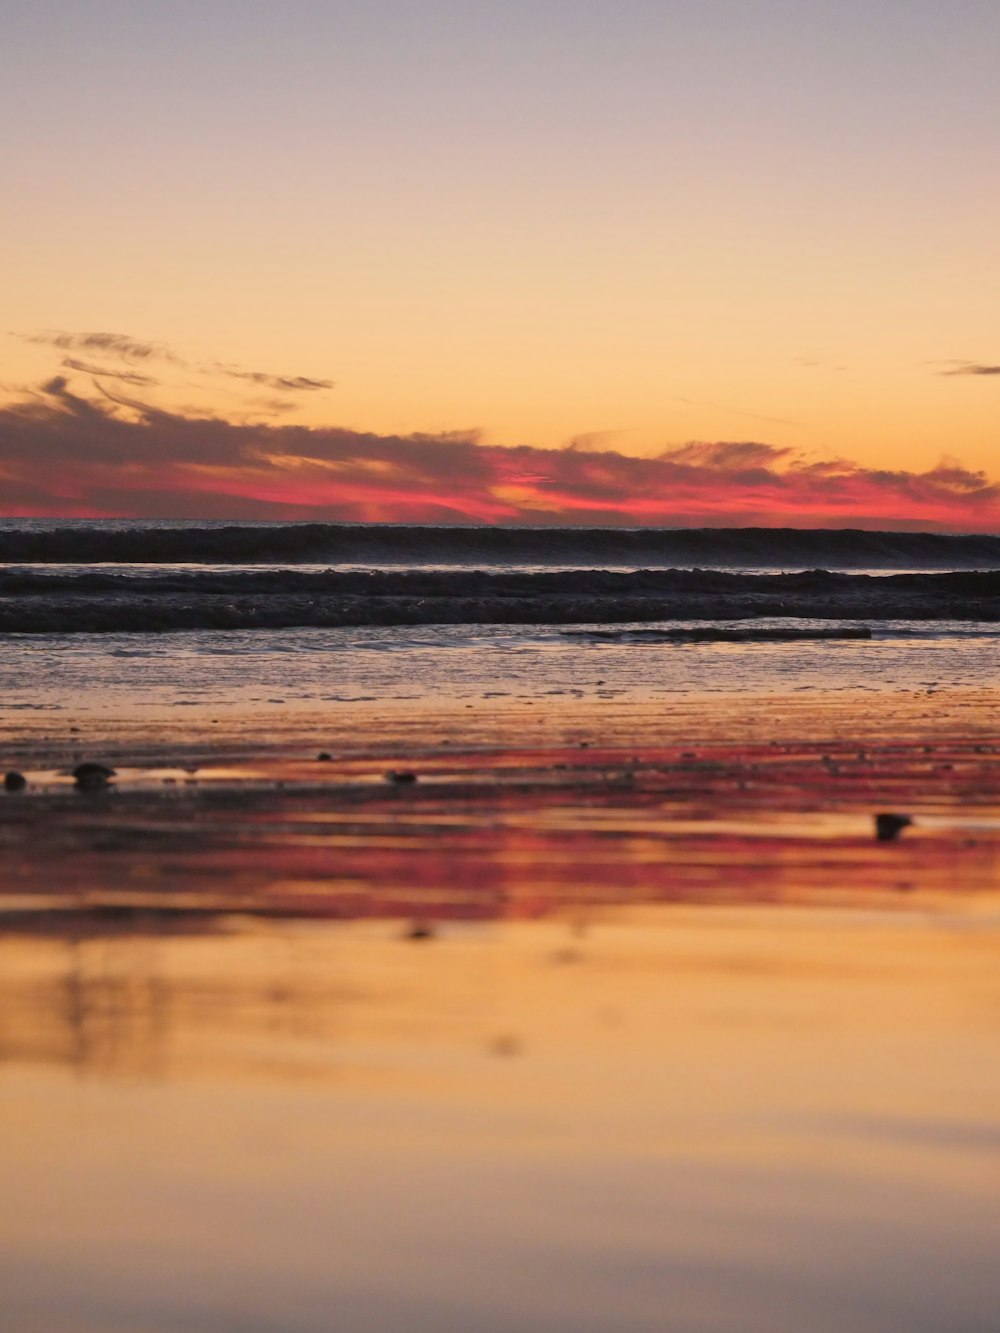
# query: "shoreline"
433,812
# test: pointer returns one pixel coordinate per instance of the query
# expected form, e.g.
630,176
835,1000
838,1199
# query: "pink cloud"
65,454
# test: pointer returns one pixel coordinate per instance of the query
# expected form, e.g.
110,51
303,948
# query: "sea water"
132,674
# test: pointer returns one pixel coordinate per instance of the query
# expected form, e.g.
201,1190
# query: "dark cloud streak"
126,376
131,349
973,368
116,344
283,383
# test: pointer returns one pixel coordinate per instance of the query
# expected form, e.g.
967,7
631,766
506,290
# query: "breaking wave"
134,542
95,601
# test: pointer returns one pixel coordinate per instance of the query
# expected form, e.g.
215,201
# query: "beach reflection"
665,1117
485,835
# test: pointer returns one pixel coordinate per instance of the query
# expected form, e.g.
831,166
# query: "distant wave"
376,544
52,602
444,583
719,634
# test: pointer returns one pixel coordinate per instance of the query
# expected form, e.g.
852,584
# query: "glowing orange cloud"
63,454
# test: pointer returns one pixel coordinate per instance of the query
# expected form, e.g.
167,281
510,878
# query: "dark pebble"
92,775
395,775
14,781
888,827
323,757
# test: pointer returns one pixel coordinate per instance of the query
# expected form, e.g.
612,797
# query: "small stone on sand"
92,775
889,826
14,781
397,776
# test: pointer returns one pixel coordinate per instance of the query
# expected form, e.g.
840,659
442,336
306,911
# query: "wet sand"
619,1016
428,812
736,1119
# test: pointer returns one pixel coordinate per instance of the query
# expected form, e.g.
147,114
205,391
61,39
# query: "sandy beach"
560,1035
617,1007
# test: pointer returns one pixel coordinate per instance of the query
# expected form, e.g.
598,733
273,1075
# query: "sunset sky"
651,261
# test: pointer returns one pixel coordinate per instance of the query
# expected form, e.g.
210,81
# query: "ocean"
159,540
152,617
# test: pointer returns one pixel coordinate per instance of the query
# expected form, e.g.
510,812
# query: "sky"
664,261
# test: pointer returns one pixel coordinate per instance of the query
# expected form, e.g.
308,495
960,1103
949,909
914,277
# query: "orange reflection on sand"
761,1110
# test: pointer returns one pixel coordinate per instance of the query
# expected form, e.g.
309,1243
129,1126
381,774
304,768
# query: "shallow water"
293,669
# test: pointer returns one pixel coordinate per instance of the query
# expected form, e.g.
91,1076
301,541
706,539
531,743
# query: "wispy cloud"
271,407
283,383
132,377
743,457
117,344
593,441
67,452
972,368
130,350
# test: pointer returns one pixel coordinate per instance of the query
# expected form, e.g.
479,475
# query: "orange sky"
636,227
